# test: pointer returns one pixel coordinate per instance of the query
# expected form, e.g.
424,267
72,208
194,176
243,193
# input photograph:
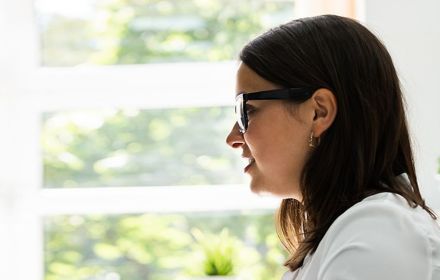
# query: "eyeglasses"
297,94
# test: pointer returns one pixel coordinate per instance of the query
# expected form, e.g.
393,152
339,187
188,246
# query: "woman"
320,117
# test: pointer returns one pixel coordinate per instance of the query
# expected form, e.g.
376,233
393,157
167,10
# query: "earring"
313,142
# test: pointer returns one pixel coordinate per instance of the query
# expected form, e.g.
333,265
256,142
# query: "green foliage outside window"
155,247
130,147
153,31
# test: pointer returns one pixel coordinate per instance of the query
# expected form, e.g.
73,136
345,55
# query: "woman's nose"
235,138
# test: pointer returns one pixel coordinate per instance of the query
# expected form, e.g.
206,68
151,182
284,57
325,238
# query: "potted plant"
216,255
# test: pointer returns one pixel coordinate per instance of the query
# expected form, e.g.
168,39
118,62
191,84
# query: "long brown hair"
367,145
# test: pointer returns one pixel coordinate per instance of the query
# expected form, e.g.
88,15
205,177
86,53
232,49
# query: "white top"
379,238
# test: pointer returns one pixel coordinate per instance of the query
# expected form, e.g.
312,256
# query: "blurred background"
114,115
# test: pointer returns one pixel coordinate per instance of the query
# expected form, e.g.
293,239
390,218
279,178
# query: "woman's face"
276,139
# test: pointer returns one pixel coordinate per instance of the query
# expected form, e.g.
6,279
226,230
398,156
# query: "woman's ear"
325,106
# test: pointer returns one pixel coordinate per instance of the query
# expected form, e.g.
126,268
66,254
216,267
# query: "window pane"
158,247
130,147
146,31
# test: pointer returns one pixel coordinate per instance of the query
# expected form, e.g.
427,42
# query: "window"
119,110
138,32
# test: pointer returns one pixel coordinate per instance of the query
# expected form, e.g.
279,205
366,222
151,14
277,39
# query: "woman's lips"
251,162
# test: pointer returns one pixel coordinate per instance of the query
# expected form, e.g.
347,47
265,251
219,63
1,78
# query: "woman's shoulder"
382,228
382,232
381,237
388,214
389,208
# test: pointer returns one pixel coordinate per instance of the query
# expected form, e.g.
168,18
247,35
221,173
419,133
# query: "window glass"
159,247
132,147
106,32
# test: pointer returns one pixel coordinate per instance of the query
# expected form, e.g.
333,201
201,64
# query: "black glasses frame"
297,94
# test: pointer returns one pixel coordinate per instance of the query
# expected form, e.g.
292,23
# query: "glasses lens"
239,112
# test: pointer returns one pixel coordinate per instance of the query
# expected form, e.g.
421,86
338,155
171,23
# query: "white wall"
411,32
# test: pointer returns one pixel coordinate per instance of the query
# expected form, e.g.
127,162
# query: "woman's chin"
255,188
261,189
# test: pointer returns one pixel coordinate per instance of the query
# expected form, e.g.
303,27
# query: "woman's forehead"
249,81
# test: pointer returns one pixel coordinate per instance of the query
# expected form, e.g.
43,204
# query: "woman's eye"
250,111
